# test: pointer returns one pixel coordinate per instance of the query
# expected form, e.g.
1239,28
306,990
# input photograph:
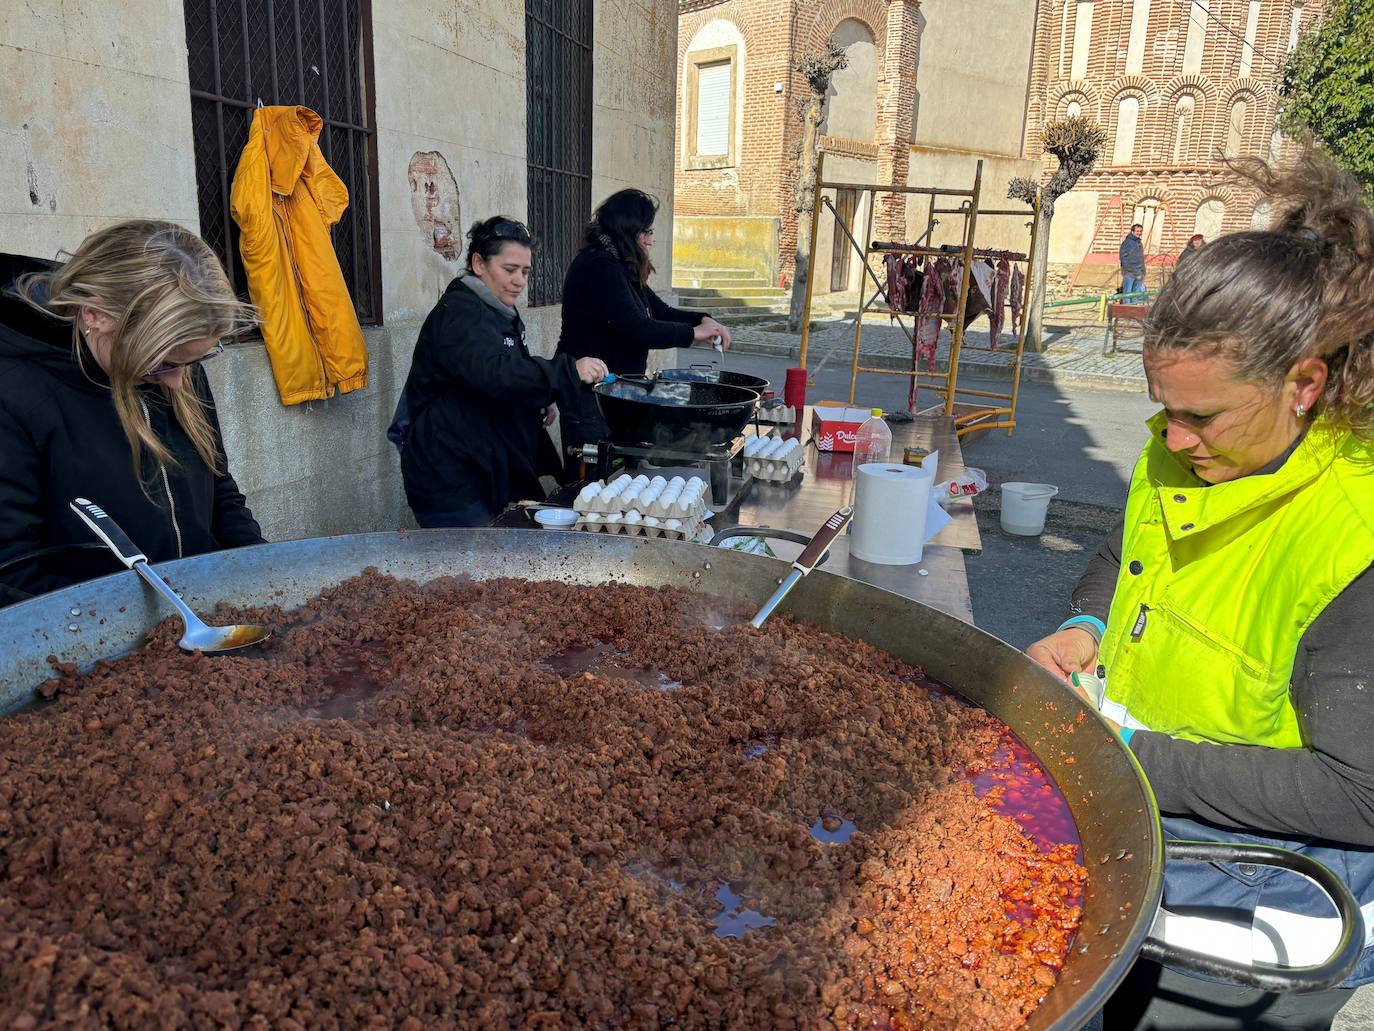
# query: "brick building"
930,88
1178,84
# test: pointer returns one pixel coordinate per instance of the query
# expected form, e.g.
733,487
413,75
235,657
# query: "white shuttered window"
713,109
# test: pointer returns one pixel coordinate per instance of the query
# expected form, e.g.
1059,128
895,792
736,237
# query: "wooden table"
826,487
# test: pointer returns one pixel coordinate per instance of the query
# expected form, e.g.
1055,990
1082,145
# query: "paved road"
1085,442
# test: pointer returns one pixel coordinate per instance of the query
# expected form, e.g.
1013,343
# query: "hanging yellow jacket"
284,199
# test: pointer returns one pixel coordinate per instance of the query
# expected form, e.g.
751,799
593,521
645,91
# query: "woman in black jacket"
101,397
470,423
610,313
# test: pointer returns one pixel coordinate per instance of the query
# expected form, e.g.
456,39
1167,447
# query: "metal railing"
243,56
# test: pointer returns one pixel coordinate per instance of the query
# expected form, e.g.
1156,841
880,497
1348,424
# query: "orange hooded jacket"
284,199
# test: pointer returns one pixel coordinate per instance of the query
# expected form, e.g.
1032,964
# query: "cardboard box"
835,429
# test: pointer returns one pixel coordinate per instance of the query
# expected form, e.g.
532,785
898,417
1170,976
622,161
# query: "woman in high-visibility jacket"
1231,613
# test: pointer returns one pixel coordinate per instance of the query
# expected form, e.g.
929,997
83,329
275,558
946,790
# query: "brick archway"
872,14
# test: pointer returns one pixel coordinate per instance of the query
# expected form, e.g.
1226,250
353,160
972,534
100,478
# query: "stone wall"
95,127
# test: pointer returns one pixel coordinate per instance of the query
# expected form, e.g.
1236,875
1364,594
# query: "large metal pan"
680,416
1111,802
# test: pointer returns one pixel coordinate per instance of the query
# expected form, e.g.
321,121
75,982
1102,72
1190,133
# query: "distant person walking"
1132,255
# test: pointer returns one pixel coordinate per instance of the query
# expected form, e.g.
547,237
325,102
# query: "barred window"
315,53
558,120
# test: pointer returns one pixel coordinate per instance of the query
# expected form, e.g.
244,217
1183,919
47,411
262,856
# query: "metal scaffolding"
972,410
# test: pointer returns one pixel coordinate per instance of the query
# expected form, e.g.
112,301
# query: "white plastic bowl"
555,518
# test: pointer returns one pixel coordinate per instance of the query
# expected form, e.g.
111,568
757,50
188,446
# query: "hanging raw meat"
929,323
996,312
896,282
1018,293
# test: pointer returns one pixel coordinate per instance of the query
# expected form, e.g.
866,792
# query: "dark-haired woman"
1232,609
470,423
609,311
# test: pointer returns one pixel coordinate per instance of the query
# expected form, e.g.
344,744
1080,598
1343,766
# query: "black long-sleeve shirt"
608,315
61,438
1324,789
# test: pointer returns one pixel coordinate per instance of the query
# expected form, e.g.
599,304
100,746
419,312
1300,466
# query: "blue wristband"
1092,623
1126,734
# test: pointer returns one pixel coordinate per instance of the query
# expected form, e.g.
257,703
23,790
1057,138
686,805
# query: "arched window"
1127,117
1183,128
1082,39
1235,129
851,108
1135,43
1195,14
1259,218
1210,214
1073,110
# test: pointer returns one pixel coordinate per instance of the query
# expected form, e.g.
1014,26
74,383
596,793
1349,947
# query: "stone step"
712,281
727,312
694,272
723,286
731,292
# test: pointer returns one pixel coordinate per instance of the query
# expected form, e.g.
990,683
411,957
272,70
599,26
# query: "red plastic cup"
794,390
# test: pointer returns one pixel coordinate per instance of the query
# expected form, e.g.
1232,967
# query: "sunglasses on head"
509,229
168,367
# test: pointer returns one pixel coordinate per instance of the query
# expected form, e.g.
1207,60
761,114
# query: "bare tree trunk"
1035,318
806,202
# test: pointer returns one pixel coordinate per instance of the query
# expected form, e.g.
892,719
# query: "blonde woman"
101,396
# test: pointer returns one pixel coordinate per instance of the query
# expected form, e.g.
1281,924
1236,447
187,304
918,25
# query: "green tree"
1328,86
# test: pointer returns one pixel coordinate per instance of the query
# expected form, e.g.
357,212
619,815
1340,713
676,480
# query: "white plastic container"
1024,506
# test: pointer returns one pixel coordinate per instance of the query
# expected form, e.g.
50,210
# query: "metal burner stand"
727,486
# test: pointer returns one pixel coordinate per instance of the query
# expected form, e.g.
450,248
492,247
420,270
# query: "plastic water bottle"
873,442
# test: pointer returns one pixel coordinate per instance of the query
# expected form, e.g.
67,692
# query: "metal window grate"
316,53
558,98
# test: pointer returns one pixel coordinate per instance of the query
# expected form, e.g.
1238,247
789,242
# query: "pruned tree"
1076,143
817,70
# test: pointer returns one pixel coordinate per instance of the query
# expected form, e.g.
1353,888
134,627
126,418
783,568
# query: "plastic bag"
972,483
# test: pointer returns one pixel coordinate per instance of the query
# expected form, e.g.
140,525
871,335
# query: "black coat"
475,399
60,438
608,314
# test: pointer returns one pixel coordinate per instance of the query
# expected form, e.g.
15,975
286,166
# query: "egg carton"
775,459
656,502
635,524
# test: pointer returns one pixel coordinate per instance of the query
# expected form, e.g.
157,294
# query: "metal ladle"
196,634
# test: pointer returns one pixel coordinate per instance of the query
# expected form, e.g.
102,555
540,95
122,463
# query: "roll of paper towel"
890,503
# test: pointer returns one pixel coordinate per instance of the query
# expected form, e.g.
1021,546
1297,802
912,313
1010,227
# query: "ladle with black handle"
196,634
